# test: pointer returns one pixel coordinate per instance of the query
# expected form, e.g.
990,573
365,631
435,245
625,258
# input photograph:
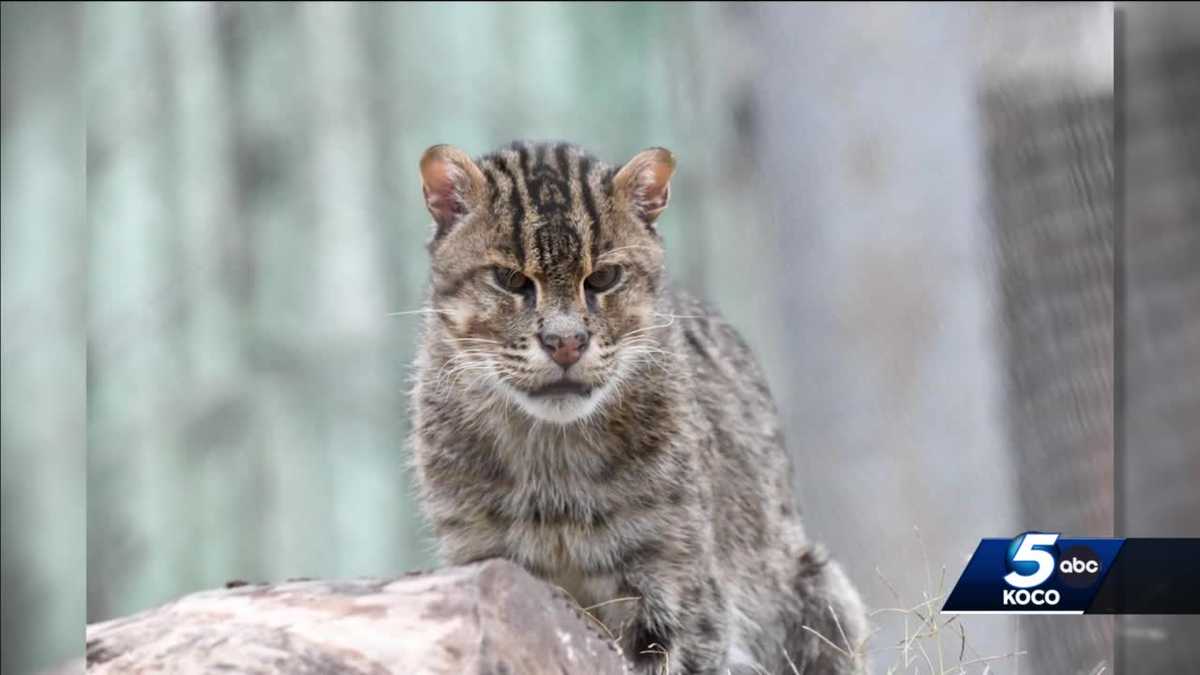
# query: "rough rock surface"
489,617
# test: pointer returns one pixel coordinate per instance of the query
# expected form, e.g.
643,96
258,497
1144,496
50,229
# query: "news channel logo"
1036,573
1038,568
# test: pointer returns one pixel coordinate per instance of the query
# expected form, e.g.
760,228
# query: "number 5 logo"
1026,553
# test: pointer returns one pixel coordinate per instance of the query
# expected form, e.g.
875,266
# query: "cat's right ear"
452,185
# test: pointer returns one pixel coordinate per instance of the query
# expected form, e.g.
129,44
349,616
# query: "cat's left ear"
644,183
452,184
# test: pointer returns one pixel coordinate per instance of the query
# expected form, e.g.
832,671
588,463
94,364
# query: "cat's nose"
565,350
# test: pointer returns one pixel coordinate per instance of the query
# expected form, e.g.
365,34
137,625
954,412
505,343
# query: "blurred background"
907,210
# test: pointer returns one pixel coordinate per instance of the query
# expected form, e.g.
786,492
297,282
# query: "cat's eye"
512,280
603,278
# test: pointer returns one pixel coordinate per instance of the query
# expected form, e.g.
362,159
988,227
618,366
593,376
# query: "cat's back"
743,437
727,378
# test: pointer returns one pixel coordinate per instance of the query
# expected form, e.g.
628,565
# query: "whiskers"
643,346
470,362
472,365
670,321
652,353
423,310
647,329
495,375
607,254
644,349
472,340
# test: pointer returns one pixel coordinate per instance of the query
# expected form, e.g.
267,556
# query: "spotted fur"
663,496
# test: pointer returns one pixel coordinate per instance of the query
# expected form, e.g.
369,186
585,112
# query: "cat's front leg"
680,626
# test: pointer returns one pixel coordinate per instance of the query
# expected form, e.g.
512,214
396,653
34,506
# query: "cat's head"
546,266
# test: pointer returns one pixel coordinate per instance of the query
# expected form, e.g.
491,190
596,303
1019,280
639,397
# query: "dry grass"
932,644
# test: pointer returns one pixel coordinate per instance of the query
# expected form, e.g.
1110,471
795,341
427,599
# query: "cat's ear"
645,182
452,184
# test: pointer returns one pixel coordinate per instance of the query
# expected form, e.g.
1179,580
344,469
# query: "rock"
489,617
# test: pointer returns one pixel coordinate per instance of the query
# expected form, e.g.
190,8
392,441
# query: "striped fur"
664,493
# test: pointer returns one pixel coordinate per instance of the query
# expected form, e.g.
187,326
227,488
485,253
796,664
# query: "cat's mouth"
562,388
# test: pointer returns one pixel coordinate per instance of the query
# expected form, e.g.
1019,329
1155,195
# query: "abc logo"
1079,567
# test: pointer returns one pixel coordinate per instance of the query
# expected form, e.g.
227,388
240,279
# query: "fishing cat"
575,414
